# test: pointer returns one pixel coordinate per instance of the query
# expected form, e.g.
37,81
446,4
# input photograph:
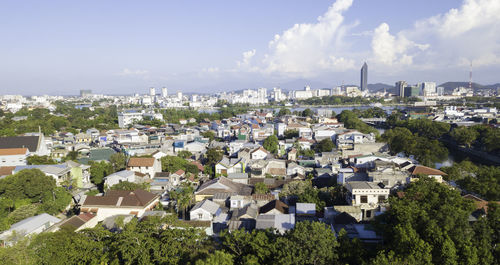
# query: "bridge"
374,121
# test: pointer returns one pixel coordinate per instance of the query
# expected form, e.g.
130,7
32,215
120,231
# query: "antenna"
470,76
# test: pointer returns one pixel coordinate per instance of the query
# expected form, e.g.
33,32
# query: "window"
381,198
200,216
364,199
368,214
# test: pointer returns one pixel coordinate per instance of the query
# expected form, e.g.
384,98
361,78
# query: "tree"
308,243
40,160
173,163
126,185
217,258
99,170
213,156
118,161
271,144
183,196
289,134
464,135
429,224
184,154
325,145
261,188
209,134
283,112
72,155
307,113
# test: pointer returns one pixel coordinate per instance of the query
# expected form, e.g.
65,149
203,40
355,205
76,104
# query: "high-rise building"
179,95
400,88
152,91
164,92
412,91
85,93
428,88
364,77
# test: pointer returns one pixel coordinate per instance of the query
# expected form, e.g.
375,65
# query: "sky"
123,47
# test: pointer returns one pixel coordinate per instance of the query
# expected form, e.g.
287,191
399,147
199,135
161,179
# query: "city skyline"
125,47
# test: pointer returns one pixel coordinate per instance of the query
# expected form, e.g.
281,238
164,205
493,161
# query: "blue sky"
59,47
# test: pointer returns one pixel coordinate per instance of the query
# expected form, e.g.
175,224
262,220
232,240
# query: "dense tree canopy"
429,225
271,144
479,179
27,193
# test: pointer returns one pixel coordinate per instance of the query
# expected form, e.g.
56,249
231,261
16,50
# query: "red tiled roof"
141,162
5,171
179,172
13,151
426,171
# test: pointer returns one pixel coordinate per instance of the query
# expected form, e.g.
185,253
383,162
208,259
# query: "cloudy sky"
120,47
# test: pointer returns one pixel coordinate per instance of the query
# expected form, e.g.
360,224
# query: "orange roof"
179,172
426,171
141,162
13,151
5,171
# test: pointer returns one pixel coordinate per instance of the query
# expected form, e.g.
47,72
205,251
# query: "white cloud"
247,57
468,33
211,70
129,72
308,48
389,49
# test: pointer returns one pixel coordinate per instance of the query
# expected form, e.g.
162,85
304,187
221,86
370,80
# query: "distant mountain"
380,87
449,86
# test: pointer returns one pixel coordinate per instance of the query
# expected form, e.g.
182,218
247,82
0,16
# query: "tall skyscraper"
428,88
152,91
364,77
85,93
400,88
164,92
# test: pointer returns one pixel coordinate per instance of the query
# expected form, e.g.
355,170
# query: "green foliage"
479,179
464,135
126,185
271,144
118,161
213,156
184,154
325,145
209,134
284,112
183,195
429,225
99,170
307,113
191,168
217,258
289,134
40,160
261,188
27,193
426,151
303,191
351,121
339,100
173,163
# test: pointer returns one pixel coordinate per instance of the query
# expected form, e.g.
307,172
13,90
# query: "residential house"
29,226
145,165
60,172
280,222
205,210
78,222
417,171
120,202
259,153
238,177
370,196
221,185
13,157
230,165
274,207
35,143
121,176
